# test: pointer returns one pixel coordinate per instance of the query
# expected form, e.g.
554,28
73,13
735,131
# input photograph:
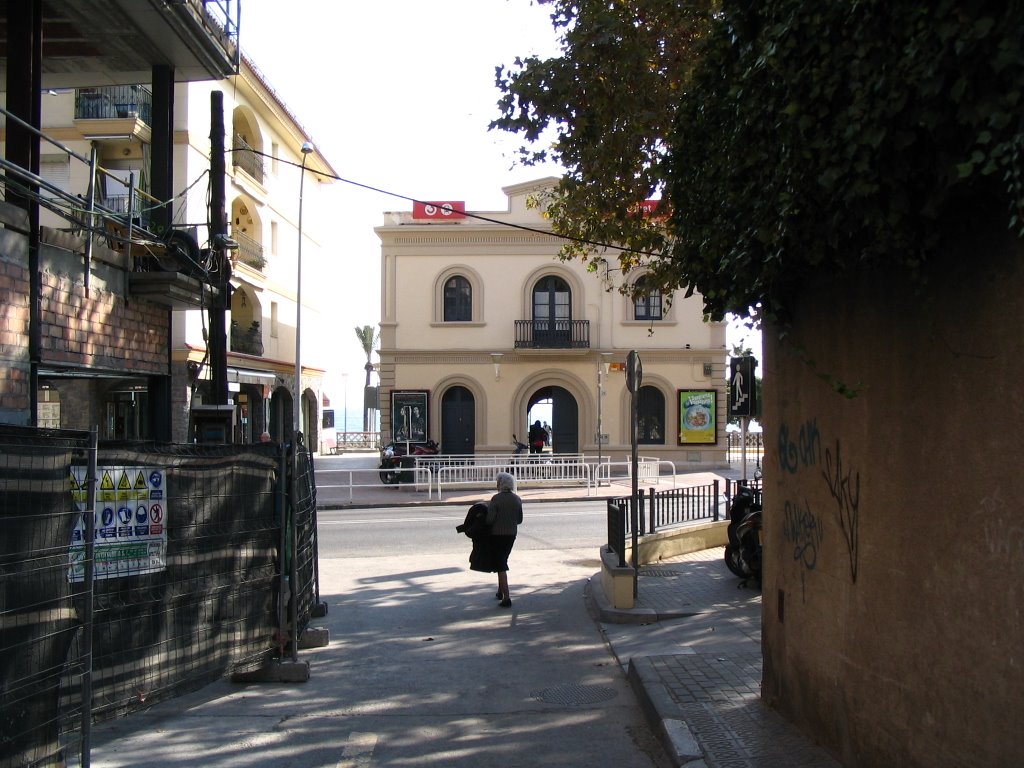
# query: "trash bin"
408,464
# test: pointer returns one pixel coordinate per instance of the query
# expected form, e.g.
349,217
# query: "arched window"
647,301
650,428
458,300
552,313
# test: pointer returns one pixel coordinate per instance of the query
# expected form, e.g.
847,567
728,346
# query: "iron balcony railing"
249,251
552,334
248,341
246,158
113,102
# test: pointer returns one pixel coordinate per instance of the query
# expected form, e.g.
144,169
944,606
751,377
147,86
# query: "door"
458,422
552,313
565,423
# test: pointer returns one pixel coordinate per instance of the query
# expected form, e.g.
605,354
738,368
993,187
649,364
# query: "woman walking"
504,515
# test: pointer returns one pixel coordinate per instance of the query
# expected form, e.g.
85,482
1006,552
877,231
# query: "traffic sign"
742,387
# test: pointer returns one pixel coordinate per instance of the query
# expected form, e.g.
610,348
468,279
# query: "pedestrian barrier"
649,470
418,478
566,469
662,509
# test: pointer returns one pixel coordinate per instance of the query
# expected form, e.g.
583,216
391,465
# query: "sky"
397,95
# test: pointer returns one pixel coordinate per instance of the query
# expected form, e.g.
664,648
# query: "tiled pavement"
696,667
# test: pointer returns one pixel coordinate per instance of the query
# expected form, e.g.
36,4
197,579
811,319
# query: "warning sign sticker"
128,518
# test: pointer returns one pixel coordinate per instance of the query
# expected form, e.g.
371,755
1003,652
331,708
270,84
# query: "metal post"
743,445
297,411
297,405
90,210
89,579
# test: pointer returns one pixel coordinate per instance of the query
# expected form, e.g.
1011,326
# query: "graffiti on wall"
844,486
801,449
804,531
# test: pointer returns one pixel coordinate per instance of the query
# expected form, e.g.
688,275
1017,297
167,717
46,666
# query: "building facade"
484,331
123,339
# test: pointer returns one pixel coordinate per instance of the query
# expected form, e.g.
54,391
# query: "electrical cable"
468,214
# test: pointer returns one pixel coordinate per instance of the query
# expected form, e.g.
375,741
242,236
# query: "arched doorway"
281,415
552,313
458,422
565,420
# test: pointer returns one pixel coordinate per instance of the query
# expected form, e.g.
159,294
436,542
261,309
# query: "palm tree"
368,337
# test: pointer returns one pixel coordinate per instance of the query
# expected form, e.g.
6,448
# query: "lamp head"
307,147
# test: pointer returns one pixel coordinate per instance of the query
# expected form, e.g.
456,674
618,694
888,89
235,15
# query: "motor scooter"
743,553
391,458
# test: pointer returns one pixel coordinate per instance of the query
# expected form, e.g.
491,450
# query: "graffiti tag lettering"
804,531
803,451
845,489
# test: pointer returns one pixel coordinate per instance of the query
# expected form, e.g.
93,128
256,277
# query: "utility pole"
217,342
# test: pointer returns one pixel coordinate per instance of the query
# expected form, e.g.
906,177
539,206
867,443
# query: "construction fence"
132,573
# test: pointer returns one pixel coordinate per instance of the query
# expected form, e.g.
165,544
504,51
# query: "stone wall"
894,584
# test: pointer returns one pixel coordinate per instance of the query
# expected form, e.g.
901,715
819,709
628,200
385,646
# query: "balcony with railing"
246,158
247,341
249,251
114,102
552,334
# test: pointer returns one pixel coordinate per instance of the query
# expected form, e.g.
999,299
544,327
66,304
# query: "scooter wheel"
734,561
388,477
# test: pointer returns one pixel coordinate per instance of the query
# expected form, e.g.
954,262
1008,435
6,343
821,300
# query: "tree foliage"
820,136
788,136
609,101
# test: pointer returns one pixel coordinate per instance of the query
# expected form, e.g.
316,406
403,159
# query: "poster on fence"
130,519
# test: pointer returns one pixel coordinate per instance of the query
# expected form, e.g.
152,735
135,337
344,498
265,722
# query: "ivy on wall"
826,135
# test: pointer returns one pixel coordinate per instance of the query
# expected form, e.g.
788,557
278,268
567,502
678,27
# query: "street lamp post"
297,406
602,373
344,378
290,581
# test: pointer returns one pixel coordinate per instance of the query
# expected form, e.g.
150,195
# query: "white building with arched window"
488,331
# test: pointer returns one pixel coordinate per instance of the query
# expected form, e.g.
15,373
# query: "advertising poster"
698,422
409,416
130,519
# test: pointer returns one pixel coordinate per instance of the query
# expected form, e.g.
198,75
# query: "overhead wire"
468,214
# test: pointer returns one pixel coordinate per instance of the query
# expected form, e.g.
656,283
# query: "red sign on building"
441,209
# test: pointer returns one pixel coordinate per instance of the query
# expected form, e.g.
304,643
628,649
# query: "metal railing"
355,441
552,334
648,470
112,102
411,477
250,251
661,509
248,341
246,158
734,446
566,469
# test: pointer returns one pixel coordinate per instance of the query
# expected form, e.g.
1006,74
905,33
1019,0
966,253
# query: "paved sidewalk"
692,651
691,647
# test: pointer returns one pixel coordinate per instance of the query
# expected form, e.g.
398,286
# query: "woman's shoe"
506,603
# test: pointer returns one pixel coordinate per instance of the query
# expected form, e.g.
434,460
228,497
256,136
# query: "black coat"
475,527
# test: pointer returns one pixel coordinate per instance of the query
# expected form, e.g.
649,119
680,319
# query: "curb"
662,713
609,615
